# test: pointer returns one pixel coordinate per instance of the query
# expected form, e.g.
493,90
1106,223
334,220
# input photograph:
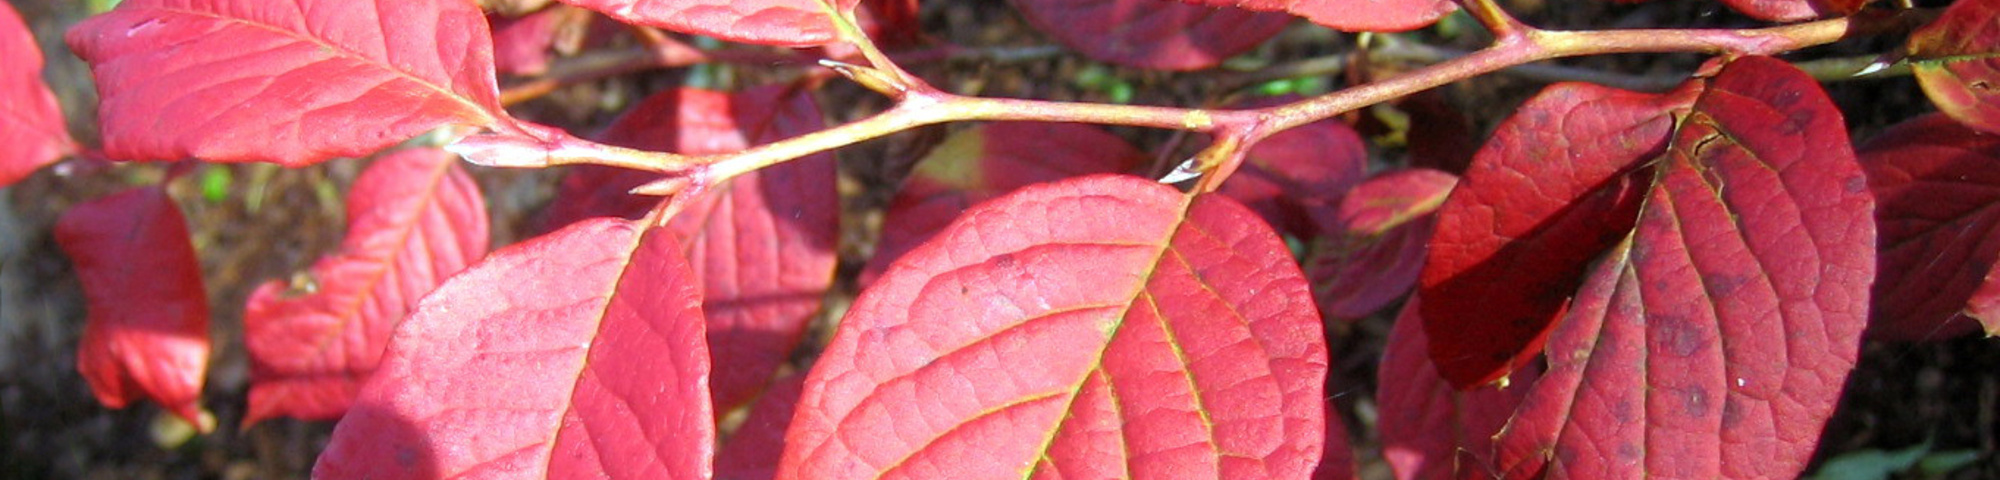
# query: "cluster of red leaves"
1673,284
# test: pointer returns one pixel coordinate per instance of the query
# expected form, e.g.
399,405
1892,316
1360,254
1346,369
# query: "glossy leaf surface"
1940,229
414,218
762,244
1103,326
578,354
1431,431
772,22
1376,245
1957,60
1298,174
1153,34
288,81
1713,342
985,161
146,336
1352,15
1557,184
32,133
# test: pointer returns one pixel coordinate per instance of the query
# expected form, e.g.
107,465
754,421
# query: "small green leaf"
215,181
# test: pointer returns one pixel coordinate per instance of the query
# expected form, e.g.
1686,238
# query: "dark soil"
274,222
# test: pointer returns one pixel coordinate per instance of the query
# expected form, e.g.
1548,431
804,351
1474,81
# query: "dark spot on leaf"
407,456
1723,285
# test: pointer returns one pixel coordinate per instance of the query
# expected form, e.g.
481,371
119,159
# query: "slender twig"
918,104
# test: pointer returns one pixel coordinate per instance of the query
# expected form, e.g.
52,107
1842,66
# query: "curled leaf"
1957,61
147,331
1559,182
1376,245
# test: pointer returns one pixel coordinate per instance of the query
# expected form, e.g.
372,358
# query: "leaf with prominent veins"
1102,326
577,354
293,82
1713,341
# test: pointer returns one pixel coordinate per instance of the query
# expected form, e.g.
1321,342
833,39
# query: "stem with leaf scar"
918,104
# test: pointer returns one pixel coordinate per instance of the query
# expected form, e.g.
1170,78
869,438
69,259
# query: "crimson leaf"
982,162
576,354
773,22
1102,326
1375,248
147,333
1713,341
1298,174
1557,184
1957,60
31,124
1938,188
292,82
1153,34
762,244
1352,15
1431,431
414,218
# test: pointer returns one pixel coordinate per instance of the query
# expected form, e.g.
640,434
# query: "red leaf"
773,22
752,453
1337,459
1937,188
1102,326
1957,60
521,44
985,161
1431,431
578,354
414,218
1794,10
762,244
32,133
1352,15
147,333
1153,34
1714,341
1376,247
1558,183
1299,173
293,82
